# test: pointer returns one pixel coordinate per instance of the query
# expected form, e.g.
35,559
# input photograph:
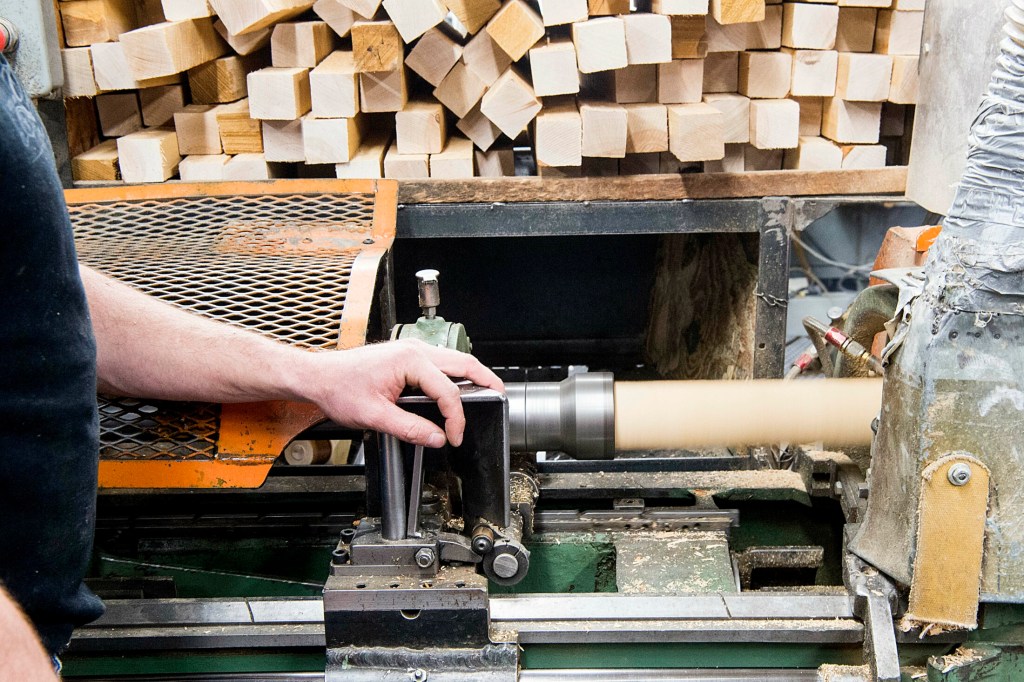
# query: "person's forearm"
148,348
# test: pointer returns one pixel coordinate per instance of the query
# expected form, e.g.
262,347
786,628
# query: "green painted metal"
563,565
436,332
686,655
192,662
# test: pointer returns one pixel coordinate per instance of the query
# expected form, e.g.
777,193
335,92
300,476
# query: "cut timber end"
455,161
600,44
278,93
420,128
774,124
737,11
516,28
559,136
433,56
246,16
604,129
99,163
334,87
473,14
696,132
148,155
376,46
510,104
300,44
171,47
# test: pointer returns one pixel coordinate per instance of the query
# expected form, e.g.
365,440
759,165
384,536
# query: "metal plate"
294,260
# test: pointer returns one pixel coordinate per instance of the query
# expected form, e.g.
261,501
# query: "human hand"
358,388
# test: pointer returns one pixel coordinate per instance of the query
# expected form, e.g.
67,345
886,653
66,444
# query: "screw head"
505,565
959,474
418,675
425,557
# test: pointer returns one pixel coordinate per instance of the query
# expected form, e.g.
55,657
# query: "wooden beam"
696,132
485,59
196,127
774,123
87,22
767,34
814,72
433,56
221,80
159,104
765,75
98,163
179,10
605,128
377,46
891,180
904,86
732,162
420,128
863,77
246,16
737,11
809,26
688,37
455,161
406,165
79,79
336,15
646,128
413,18
118,113
851,122
112,71
496,163
600,44
558,12
479,128
735,111
246,43
280,94
863,156
300,43
203,167
330,140
516,28
680,7
856,29
364,8
635,83
367,162
473,14
383,92
721,72
172,47
149,155
601,8
558,135
899,33
334,87
510,104
239,133
680,81
249,166
282,141
648,38
755,159
814,153
460,90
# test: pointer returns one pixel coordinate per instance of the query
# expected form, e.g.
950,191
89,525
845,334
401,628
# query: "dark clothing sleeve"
48,421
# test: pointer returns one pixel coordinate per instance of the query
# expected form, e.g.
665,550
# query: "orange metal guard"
296,260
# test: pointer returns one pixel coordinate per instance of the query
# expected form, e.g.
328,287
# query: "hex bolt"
425,557
505,565
418,675
959,474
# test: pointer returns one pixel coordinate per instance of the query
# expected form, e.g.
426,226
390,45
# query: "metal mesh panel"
277,264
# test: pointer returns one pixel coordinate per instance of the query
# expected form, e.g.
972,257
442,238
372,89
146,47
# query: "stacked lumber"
253,89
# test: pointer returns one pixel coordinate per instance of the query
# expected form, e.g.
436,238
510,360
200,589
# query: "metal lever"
412,526
392,488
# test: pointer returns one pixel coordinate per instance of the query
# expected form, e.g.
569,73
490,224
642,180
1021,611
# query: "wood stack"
252,89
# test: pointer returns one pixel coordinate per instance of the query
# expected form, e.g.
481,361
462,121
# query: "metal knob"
429,292
8,36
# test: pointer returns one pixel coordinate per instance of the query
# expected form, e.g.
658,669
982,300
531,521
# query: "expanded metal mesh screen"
277,264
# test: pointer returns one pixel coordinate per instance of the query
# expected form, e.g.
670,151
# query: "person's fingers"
409,428
435,384
457,364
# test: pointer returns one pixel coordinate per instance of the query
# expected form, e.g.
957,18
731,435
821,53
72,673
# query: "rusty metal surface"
293,260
